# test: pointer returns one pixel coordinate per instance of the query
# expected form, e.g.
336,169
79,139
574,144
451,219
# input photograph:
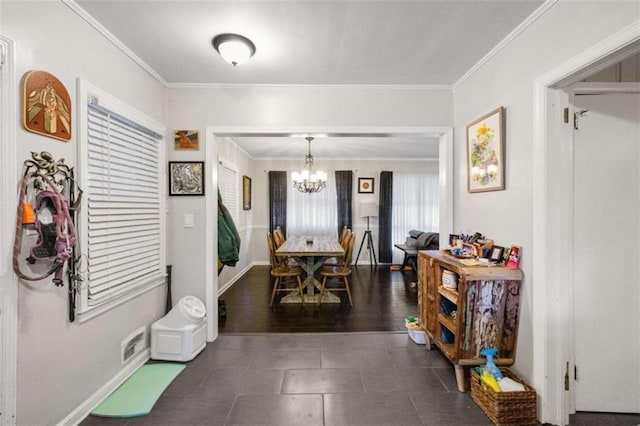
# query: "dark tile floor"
313,379
286,365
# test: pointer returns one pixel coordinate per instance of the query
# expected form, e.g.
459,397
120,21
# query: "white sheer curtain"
415,205
312,214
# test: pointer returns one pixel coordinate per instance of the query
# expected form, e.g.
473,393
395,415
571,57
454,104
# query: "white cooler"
182,333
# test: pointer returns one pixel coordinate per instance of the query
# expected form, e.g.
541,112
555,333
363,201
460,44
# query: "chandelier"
309,180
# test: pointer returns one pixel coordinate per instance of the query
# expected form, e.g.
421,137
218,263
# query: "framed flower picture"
485,152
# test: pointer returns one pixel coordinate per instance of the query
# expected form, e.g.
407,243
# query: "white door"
607,253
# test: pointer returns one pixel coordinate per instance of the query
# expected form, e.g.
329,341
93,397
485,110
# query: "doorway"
444,135
553,281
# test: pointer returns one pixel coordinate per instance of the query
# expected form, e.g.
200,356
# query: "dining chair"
342,270
279,239
343,234
344,237
280,271
278,236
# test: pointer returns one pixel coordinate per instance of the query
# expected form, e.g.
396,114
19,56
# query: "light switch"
188,220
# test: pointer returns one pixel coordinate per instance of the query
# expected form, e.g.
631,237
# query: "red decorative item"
514,258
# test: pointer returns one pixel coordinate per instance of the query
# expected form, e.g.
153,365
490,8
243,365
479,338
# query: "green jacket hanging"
228,237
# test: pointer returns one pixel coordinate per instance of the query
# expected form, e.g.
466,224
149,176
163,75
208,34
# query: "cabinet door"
431,300
422,288
484,316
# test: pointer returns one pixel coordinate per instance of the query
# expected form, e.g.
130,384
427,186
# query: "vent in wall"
133,343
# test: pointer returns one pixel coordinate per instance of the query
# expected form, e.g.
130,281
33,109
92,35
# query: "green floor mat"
139,393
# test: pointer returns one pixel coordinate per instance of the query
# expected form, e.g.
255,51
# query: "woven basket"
505,408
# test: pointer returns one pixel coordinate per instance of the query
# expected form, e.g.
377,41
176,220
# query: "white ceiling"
389,42
313,42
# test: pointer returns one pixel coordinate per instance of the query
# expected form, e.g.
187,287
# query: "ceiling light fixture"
308,180
234,48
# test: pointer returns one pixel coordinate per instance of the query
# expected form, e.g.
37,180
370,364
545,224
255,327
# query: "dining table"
310,252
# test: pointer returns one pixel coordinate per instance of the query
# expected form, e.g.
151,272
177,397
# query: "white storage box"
182,333
449,280
414,329
417,336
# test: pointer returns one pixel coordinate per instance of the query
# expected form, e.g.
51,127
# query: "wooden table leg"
427,342
460,377
310,265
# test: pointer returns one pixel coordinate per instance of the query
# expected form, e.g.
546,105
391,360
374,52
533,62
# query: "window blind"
228,184
123,206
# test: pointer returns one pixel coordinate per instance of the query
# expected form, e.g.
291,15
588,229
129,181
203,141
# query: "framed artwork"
485,152
186,178
514,258
186,139
246,193
365,185
496,254
46,106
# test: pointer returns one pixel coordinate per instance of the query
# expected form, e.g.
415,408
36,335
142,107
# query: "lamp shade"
234,48
368,210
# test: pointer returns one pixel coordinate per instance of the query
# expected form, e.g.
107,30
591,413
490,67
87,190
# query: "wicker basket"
505,408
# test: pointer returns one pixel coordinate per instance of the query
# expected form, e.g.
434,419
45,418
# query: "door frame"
445,171
553,321
8,280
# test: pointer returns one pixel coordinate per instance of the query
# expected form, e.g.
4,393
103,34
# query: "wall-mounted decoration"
186,178
485,152
365,185
246,193
186,139
46,106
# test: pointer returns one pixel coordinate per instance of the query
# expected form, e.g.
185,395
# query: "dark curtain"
385,245
278,200
344,190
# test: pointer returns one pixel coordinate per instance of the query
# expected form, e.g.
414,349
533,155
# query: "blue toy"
490,366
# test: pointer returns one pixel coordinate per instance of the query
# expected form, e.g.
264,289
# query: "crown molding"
539,12
113,39
413,87
329,159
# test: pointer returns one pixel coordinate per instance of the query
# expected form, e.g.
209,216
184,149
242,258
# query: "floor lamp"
368,210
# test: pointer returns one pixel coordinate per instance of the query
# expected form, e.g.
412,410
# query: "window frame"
87,92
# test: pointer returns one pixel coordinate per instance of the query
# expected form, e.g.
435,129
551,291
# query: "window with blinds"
228,185
123,224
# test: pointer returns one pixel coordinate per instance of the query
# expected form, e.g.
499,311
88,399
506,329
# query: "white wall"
281,108
565,30
60,364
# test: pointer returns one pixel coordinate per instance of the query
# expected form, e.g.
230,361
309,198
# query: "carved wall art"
46,106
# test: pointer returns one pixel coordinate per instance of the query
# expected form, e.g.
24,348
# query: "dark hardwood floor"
382,299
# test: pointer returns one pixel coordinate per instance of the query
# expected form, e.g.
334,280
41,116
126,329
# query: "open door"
607,253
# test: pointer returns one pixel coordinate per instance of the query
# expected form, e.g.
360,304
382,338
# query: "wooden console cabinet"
483,312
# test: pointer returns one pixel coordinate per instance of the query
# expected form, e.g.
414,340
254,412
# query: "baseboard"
235,278
84,409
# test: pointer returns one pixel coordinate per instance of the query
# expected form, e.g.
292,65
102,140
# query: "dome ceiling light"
234,48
